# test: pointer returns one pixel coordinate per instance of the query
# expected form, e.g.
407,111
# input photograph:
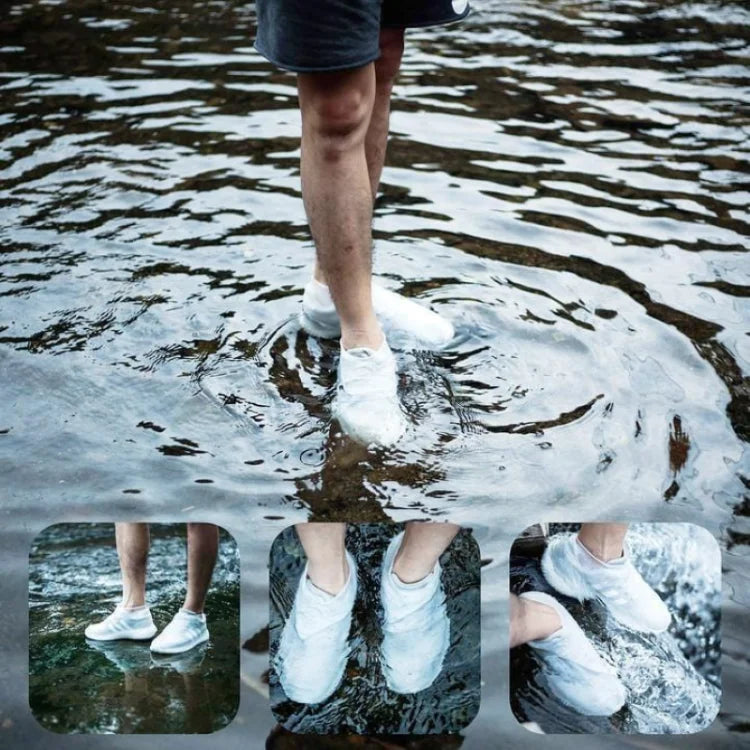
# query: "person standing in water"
347,54
131,619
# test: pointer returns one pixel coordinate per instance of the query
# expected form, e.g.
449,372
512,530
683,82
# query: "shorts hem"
427,24
317,68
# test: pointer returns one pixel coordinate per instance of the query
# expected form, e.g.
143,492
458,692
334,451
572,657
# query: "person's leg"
386,70
376,138
202,548
530,620
603,540
188,628
336,110
132,540
324,547
422,545
132,617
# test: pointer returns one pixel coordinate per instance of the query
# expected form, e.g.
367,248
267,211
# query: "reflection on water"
672,679
78,685
566,181
363,703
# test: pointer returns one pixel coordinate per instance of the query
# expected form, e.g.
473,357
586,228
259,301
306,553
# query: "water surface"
566,181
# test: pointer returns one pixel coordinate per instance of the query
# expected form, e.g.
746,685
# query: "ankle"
411,570
602,551
369,336
133,604
319,276
329,576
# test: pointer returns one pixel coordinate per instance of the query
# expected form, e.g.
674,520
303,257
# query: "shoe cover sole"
142,634
181,649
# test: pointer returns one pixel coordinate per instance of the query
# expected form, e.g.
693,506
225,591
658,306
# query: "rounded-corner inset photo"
375,628
615,628
134,628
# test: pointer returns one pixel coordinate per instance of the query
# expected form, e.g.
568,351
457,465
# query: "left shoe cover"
416,628
185,631
575,672
397,314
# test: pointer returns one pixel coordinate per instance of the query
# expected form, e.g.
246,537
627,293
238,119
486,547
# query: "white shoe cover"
575,672
123,624
572,570
366,403
313,649
396,313
185,631
416,628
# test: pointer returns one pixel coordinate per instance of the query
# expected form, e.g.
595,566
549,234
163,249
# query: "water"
566,181
119,686
363,703
673,679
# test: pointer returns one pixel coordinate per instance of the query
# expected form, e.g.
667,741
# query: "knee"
337,118
391,52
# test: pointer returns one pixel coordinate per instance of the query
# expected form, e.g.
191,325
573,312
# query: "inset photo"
375,628
134,628
615,627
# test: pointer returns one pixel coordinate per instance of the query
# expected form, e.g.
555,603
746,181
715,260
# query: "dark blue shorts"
309,36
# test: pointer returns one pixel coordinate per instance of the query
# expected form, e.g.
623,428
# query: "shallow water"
566,181
363,703
672,679
120,686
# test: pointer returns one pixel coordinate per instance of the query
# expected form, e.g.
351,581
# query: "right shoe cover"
572,570
123,624
366,403
314,644
575,672
185,631
416,628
